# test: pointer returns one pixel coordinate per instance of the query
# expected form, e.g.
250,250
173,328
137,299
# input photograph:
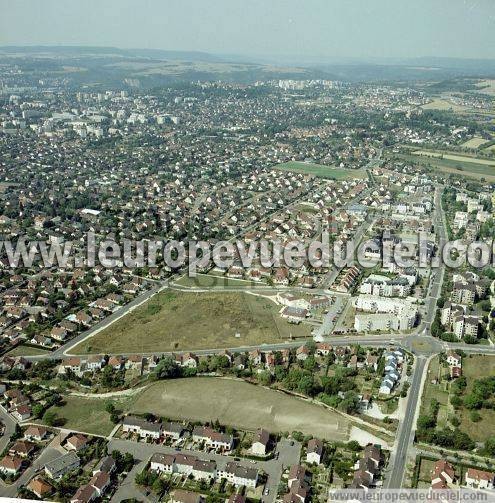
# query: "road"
405,432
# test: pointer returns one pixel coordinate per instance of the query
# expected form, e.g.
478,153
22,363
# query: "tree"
110,407
50,418
167,368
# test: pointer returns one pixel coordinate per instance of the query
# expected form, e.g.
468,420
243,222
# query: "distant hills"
153,67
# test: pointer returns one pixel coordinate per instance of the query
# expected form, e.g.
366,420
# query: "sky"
302,29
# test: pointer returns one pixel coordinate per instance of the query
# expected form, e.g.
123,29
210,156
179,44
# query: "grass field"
477,367
27,351
241,405
321,171
435,391
444,104
179,320
475,142
473,367
87,414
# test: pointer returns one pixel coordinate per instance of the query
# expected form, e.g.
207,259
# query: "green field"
87,414
188,321
321,171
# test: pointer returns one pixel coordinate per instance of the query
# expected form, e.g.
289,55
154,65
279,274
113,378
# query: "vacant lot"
241,405
321,171
27,351
476,367
87,414
179,320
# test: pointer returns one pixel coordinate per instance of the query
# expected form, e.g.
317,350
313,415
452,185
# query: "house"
22,412
21,448
11,465
302,352
76,442
100,481
454,359
260,442
106,464
479,479
443,474
40,487
145,429
239,475
85,494
183,496
172,430
35,432
57,468
297,474
314,452
213,438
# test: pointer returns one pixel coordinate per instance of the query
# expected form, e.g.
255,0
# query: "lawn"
240,405
321,171
87,414
188,321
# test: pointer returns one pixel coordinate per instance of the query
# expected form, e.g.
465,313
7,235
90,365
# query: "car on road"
266,492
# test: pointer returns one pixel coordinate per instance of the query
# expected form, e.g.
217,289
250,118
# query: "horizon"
321,31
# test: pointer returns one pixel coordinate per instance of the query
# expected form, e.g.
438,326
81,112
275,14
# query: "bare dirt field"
241,405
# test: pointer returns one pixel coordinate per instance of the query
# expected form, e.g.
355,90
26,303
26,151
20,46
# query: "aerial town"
261,383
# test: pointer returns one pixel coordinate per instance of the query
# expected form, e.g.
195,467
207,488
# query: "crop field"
189,321
460,165
321,171
241,405
455,157
475,142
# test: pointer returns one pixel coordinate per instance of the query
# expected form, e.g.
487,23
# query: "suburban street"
288,456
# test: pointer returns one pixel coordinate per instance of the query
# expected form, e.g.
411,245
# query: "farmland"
453,163
179,320
475,142
241,405
321,171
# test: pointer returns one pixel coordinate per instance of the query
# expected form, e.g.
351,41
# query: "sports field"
175,320
321,171
241,405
